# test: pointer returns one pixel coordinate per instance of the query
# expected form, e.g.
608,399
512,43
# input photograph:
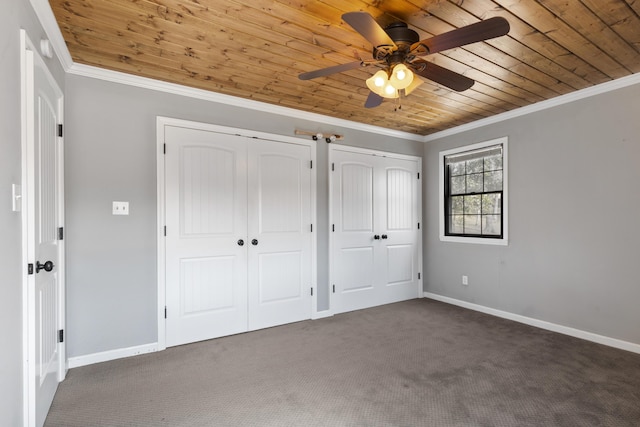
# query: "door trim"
28,58
366,151
161,123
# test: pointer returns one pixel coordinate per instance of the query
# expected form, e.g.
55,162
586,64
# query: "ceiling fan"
397,50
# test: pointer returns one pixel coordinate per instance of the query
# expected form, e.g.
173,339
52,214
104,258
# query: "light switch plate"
120,208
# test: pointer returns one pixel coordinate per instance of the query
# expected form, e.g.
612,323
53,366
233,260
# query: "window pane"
456,168
458,184
472,224
472,205
491,203
456,206
474,183
456,224
491,225
475,165
493,181
492,163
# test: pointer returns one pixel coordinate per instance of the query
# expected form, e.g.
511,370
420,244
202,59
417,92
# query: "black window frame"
473,154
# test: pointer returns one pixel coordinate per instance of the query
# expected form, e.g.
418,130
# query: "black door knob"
384,236
240,242
47,266
376,237
254,242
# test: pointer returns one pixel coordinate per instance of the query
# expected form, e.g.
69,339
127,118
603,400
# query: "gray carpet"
415,363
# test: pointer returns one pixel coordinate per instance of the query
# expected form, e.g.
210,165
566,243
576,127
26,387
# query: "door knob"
384,236
240,242
254,242
376,237
47,266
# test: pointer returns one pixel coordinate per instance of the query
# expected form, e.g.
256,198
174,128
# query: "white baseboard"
589,336
105,356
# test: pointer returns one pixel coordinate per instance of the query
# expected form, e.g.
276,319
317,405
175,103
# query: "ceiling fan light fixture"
401,77
414,84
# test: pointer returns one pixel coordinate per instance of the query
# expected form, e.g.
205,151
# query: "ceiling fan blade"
331,70
373,100
483,30
364,23
441,75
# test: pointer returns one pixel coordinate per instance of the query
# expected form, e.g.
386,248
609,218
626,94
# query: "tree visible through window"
473,193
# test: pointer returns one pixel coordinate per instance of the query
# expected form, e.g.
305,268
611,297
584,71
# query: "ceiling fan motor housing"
403,37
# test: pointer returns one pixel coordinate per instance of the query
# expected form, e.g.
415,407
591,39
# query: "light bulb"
389,90
401,77
378,81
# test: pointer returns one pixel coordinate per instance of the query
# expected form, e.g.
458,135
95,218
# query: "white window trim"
505,193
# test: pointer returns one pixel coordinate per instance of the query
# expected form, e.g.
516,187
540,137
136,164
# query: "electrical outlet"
465,280
120,208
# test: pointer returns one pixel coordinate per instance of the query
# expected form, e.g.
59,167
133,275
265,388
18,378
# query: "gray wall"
15,14
110,155
574,205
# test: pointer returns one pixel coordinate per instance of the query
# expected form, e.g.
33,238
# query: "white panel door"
279,233
354,255
206,216
375,237
46,364
398,228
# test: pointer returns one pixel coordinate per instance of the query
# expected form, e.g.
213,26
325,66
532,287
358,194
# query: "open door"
43,216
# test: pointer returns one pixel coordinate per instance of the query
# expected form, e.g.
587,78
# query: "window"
473,187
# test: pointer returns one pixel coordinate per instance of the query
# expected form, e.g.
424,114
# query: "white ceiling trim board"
539,106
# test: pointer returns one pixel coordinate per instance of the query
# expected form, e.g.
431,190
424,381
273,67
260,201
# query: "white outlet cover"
465,280
120,208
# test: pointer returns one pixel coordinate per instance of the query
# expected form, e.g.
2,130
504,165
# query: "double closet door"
238,237
375,234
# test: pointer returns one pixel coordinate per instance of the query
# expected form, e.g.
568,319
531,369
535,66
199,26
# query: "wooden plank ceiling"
255,49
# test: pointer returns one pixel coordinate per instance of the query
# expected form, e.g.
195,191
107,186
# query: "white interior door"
45,215
375,238
238,242
279,233
206,250
354,264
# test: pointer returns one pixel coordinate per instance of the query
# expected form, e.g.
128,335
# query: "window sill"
475,240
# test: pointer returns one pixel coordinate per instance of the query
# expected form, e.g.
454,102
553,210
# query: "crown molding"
43,11
176,89
539,106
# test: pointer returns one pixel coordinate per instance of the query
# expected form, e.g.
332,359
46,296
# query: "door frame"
161,123
366,151
27,72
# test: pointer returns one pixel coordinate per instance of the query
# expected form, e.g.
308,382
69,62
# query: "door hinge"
418,175
60,233
312,291
60,130
333,227
334,289
418,276
165,311
333,166
418,226
164,148
312,228
61,335
29,268
310,164
165,231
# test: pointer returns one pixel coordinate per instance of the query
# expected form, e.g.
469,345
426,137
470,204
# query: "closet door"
206,248
279,233
375,237
398,226
355,266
